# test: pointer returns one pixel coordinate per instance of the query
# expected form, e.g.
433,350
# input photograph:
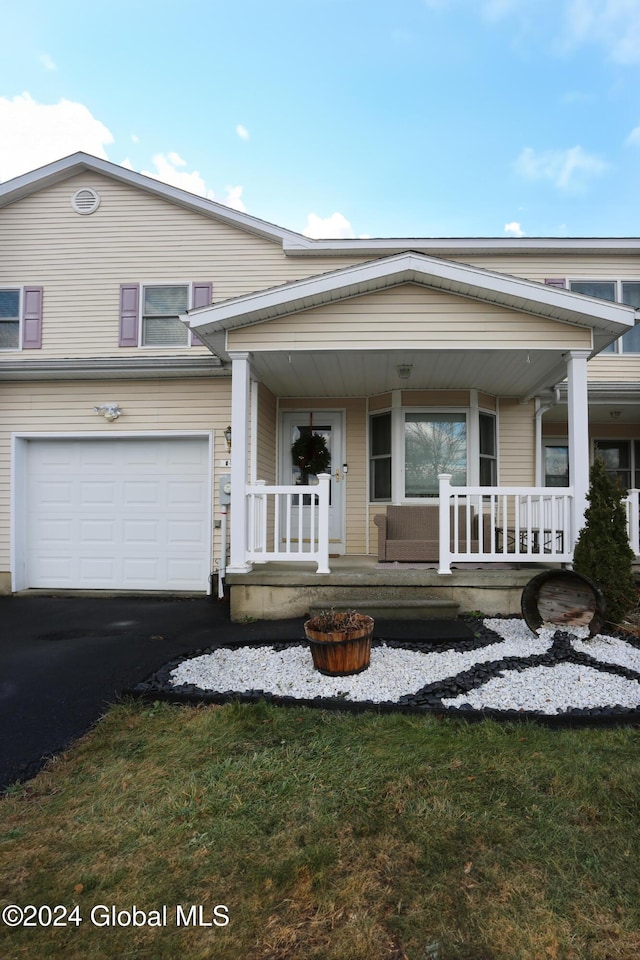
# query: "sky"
344,118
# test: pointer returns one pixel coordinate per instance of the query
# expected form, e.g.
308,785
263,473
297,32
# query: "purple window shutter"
556,283
32,318
129,304
201,297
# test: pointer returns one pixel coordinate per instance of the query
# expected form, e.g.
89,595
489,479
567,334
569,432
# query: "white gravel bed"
395,672
610,650
552,689
392,672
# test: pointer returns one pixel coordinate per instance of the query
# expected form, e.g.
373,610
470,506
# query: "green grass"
330,836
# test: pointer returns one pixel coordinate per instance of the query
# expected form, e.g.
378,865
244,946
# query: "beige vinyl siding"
266,435
67,407
133,237
435,398
516,443
560,266
355,422
614,368
381,402
412,317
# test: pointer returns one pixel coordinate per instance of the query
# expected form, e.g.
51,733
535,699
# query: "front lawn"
326,836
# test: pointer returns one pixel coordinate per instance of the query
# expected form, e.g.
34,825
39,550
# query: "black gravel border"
427,700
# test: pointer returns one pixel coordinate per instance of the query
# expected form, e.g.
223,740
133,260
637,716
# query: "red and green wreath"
311,454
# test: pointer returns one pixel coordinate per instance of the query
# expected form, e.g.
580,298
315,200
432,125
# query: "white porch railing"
632,509
288,523
492,524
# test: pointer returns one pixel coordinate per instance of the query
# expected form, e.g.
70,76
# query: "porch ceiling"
507,373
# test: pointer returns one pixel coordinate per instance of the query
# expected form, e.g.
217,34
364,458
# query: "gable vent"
85,201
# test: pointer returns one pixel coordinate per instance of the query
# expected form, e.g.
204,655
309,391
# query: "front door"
328,425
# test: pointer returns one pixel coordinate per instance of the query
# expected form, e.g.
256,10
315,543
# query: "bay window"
409,448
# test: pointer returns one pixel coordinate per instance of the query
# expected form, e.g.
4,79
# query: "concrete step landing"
399,609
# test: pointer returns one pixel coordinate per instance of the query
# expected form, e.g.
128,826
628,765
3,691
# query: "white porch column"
240,390
578,407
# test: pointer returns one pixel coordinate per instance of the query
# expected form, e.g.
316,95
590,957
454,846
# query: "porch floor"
281,590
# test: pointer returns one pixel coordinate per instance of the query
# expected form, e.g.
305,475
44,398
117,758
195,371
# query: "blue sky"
344,117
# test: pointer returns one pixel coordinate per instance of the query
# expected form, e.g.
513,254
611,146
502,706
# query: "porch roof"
507,374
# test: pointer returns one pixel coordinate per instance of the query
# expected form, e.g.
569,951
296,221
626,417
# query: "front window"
434,443
380,459
621,461
9,319
161,309
488,450
556,465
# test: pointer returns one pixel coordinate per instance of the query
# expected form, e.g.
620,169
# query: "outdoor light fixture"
404,370
227,436
110,411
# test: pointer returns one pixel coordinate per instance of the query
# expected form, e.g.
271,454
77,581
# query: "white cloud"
233,200
335,227
47,62
634,136
167,172
192,182
242,132
36,133
514,229
135,138
615,24
566,169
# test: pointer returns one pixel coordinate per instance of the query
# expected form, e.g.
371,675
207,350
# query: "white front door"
330,426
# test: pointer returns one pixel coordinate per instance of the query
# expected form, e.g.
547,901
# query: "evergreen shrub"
602,551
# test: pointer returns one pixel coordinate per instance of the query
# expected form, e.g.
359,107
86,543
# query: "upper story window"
9,319
622,291
161,309
20,318
150,313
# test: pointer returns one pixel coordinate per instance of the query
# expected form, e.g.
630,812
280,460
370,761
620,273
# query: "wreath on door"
311,454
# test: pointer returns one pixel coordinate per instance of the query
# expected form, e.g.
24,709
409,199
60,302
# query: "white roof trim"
610,319
61,170
459,246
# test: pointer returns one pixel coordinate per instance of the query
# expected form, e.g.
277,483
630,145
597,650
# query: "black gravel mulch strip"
427,700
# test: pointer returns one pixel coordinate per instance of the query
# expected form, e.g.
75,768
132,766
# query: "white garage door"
128,514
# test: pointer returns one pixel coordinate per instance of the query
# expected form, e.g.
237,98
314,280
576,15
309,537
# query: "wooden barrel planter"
563,599
340,643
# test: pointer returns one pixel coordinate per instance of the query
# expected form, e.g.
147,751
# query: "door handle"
338,476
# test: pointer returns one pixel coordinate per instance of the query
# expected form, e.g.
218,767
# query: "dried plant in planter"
340,642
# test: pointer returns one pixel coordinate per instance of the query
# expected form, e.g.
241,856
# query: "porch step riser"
393,609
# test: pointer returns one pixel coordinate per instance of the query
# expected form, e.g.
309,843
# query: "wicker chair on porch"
411,533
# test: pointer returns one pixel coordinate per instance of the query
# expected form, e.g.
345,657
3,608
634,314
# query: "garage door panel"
119,514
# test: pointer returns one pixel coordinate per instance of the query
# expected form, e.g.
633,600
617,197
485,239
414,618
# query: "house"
473,377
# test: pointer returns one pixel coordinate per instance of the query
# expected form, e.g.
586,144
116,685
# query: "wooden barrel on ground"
563,599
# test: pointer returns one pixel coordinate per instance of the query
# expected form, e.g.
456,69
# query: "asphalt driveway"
63,660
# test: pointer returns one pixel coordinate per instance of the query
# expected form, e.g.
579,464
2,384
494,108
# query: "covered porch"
405,348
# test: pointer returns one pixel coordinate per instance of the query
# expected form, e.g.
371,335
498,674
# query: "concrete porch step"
399,609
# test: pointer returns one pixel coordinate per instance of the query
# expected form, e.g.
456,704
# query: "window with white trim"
428,443
620,291
380,456
434,443
622,461
10,319
162,305
555,458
